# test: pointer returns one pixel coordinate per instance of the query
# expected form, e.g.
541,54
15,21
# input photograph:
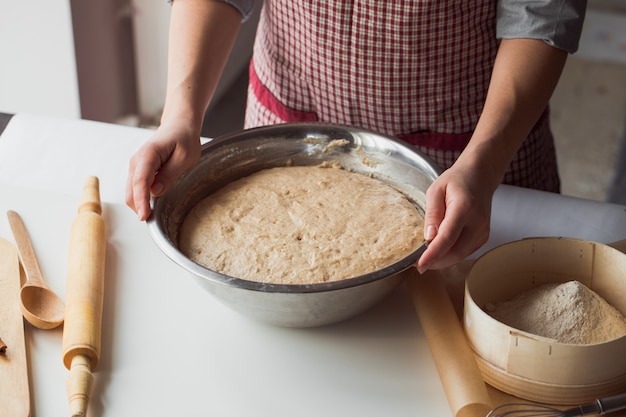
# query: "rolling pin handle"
90,198
79,385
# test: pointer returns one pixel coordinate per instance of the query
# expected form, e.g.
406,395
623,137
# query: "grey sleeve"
243,6
558,22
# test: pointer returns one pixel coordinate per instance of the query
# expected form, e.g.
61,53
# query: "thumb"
434,214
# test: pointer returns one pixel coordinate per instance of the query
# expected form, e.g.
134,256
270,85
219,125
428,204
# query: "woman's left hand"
457,218
458,203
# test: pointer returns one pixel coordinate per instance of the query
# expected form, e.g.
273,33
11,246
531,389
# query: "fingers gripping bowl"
240,154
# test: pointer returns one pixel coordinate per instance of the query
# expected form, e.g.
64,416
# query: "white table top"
169,348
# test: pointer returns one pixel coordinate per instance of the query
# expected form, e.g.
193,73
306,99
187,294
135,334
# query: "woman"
468,83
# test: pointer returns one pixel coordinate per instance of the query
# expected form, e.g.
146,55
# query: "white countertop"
170,349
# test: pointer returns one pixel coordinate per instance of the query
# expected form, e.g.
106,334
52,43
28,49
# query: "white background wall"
151,30
37,64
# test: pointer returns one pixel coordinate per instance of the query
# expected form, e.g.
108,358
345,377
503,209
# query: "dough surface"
301,225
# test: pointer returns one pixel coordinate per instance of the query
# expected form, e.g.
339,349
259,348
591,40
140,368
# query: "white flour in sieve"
568,312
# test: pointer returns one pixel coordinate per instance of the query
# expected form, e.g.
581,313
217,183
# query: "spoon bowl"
41,307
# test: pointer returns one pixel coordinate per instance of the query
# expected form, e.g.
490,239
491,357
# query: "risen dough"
301,225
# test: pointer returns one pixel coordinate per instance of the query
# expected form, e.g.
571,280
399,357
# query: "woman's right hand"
172,150
201,36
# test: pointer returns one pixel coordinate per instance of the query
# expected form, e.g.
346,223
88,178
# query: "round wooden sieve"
530,366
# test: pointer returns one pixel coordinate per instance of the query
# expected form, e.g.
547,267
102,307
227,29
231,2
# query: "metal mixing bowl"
239,154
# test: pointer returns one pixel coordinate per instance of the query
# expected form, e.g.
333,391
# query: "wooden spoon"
41,307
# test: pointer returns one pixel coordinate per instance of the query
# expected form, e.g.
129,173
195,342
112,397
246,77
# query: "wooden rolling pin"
462,382
84,298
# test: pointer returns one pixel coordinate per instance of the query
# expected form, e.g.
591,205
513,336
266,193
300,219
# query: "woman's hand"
457,219
172,150
201,36
458,204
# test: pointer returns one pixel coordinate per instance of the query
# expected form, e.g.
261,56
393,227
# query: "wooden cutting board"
14,394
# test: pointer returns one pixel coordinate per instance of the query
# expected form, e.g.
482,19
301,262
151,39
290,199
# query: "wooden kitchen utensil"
40,305
84,298
461,379
14,391
620,245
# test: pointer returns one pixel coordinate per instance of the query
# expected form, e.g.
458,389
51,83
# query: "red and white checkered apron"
414,69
